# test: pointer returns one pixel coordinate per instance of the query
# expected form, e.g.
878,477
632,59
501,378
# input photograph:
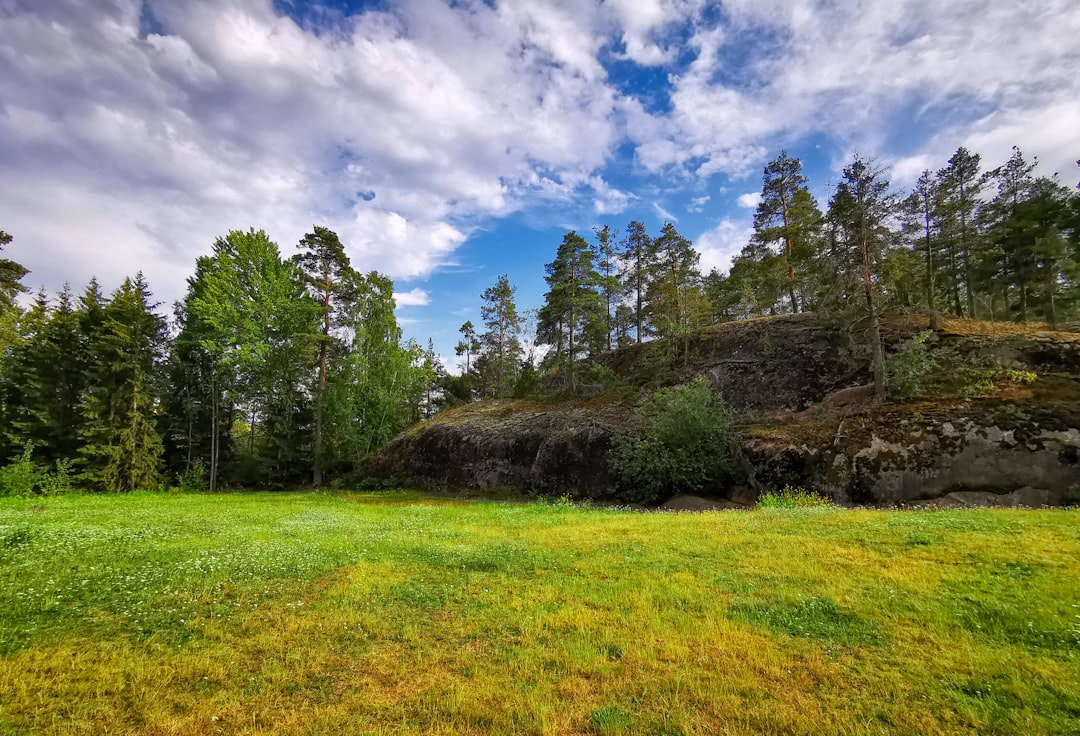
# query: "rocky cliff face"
814,428
522,445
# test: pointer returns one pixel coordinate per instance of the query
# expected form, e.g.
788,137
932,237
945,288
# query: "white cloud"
697,204
722,243
780,70
749,200
399,130
414,298
663,214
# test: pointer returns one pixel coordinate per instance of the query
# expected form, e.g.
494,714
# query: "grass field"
392,614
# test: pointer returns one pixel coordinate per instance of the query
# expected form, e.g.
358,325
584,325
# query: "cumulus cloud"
722,243
123,137
775,72
414,298
749,200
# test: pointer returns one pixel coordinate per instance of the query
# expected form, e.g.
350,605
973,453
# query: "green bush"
24,477
686,444
792,497
59,481
908,370
193,480
21,477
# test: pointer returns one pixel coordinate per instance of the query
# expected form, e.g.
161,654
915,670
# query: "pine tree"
787,214
636,255
675,302
468,345
861,210
573,306
921,226
326,270
502,348
959,187
609,285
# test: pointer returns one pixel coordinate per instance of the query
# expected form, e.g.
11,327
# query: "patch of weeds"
813,617
610,719
792,497
980,382
919,539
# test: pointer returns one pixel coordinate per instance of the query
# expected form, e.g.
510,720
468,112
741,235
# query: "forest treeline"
993,244
275,371
278,371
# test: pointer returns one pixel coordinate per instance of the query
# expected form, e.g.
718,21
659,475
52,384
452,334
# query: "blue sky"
448,143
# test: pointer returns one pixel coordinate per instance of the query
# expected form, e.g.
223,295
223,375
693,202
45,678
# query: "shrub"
686,444
22,476
193,480
792,497
58,481
908,369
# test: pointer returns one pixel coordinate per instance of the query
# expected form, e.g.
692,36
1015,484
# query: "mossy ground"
396,613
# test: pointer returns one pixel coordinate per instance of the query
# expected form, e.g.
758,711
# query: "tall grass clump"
792,497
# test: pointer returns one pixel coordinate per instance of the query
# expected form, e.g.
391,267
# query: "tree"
787,214
608,284
437,373
379,383
121,446
326,270
11,274
500,342
573,306
635,254
251,314
861,209
674,299
959,186
920,224
468,345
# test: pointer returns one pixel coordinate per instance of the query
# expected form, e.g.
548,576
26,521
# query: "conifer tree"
11,275
861,210
573,307
608,284
675,302
327,272
121,447
501,344
788,215
636,256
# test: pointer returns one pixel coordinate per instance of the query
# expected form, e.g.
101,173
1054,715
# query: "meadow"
392,613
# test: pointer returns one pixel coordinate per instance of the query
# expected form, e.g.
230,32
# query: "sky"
448,143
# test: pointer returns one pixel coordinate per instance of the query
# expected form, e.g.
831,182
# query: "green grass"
393,613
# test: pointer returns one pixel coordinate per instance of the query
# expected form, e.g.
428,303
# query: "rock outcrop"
816,426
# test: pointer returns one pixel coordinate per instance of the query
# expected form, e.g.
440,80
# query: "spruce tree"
121,446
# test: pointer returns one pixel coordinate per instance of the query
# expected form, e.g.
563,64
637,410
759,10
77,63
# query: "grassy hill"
394,613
